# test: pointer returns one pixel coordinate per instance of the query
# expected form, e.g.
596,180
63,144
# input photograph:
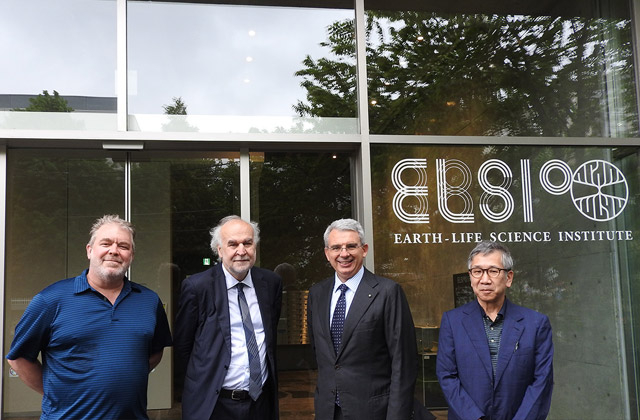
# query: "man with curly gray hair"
226,331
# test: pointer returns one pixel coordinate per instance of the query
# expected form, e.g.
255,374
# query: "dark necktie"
337,323
255,372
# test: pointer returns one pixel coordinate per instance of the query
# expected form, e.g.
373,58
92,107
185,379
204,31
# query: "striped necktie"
255,372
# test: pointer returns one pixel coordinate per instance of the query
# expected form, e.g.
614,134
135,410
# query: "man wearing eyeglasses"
495,358
362,334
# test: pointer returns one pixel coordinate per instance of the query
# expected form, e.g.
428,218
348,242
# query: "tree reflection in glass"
489,75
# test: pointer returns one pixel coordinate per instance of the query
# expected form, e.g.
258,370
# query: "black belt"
235,394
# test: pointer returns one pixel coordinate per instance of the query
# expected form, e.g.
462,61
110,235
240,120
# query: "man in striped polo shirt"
98,334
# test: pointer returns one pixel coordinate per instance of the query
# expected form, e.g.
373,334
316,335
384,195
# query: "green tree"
177,119
45,102
331,84
178,107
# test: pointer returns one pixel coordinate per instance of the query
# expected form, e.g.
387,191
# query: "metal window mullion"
121,66
127,187
635,30
362,168
3,220
127,196
245,185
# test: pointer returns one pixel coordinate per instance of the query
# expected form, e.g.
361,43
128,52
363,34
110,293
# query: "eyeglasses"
338,248
493,272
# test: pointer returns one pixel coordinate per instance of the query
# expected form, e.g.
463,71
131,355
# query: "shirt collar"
501,313
232,281
82,284
503,310
351,283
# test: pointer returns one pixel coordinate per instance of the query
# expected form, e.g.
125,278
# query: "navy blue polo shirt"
95,355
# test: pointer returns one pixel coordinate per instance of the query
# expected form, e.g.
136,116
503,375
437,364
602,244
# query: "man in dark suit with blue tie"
362,334
495,358
225,337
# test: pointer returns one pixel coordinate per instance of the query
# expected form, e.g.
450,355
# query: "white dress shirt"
238,374
352,285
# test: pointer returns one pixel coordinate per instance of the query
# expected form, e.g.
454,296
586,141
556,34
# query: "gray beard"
110,276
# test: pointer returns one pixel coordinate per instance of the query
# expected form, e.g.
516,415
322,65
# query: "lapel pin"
369,294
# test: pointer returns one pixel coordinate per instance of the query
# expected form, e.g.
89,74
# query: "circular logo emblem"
599,190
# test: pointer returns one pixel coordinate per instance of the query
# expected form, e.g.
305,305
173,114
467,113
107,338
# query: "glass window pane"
60,62
502,69
569,216
188,193
294,197
176,200
221,68
53,199
628,161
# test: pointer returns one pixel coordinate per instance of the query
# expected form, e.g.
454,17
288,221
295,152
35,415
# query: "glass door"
53,197
294,197
175,200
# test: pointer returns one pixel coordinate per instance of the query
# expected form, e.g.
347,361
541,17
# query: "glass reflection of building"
174,114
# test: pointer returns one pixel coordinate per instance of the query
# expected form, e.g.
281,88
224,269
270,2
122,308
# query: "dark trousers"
337,413
228,409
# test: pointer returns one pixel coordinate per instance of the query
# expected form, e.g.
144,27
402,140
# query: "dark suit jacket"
375,370
203,336
524,372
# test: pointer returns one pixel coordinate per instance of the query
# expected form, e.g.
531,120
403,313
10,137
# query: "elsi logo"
598,189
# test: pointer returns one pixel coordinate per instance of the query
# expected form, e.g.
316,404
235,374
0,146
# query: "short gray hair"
487,247
108,219
342,225
215,232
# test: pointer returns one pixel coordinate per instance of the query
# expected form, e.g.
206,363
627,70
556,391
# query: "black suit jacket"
203,337
376,368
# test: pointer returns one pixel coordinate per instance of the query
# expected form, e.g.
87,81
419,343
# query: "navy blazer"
524,371
203,336
375,369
